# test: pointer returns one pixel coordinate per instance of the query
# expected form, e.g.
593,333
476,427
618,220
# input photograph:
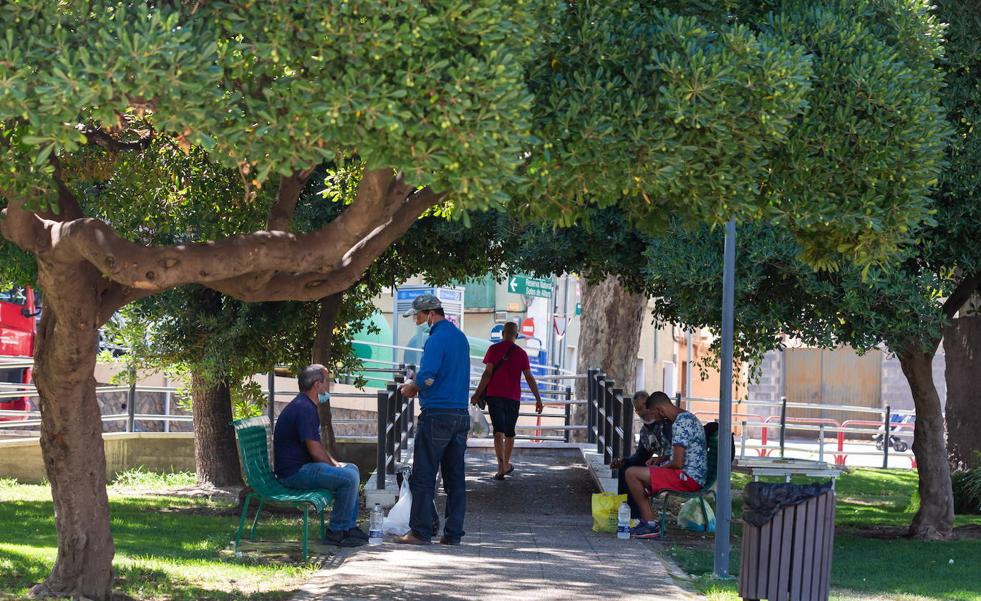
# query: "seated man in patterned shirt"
683,471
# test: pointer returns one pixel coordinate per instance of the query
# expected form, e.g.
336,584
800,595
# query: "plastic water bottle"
375,525
623,521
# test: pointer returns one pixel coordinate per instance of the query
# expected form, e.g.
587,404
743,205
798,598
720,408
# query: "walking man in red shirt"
501,385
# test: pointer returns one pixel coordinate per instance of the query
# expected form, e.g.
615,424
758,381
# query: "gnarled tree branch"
117,296
68,206
24,228
98,137
308,286
290,188
383,199
961,294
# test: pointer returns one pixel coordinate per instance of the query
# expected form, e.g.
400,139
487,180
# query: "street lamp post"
724,473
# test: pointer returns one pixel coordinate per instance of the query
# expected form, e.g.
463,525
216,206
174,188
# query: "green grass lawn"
872,561
166,546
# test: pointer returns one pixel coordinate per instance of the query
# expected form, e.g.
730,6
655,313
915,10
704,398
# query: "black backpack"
712,428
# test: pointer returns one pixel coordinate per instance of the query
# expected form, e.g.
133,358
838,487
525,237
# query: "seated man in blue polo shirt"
302,462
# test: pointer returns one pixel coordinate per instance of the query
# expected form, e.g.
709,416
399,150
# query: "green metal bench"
712,461
252,436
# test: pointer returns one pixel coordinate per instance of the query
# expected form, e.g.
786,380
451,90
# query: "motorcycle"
897,436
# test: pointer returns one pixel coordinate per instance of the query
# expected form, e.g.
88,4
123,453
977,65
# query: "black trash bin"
788,535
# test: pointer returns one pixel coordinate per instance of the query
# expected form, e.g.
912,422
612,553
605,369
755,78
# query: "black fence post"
628,427
410,372
131,403
608,420
381,468
677,400
591,405
885,439
783,424
600,398
271,406
390,438
568,412
616,443
398,423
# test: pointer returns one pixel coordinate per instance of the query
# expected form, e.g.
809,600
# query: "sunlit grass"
864,568
166,547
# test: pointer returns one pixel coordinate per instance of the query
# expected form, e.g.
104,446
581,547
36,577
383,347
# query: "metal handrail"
609,417
396,425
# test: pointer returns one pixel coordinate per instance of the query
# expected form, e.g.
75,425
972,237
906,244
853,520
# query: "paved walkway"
528,537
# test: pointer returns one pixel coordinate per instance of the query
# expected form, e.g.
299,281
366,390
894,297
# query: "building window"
480,294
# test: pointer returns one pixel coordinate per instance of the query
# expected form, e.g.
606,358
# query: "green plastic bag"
691,517
605,508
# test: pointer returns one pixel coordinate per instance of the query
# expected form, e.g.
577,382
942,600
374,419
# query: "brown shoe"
410,538
449,541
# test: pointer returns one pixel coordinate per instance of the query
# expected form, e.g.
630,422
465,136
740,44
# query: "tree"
777,294
963,411
556,106
904,305
954,244
269,90
834,151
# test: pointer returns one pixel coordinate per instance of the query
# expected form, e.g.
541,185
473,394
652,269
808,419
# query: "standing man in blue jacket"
443,385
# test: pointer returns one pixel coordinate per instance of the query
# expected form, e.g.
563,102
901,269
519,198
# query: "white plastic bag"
691,518
397,520
479,427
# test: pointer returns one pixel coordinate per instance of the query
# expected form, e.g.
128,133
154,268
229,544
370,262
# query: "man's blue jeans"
440,443
343,482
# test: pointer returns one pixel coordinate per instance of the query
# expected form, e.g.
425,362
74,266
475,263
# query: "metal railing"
396,426
17,420
882,428
609,418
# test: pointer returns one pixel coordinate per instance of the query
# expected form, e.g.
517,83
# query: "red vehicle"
18,327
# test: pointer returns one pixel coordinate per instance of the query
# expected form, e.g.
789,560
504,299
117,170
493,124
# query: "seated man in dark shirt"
654,441
302,462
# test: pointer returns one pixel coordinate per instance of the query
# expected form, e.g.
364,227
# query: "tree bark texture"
71,432
321,353
215,451
935,518
609,337
962,346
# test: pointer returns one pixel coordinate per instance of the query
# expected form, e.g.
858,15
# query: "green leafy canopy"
274,87
824,117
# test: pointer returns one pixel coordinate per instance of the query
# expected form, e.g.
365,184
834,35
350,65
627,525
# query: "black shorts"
503,414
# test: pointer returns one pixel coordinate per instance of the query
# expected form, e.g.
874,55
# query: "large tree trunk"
321,353
935,518
609,337
962,346
215,452
71,432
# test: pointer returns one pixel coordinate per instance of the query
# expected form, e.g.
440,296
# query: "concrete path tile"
529,538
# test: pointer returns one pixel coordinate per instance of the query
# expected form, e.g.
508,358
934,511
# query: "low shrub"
967,491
